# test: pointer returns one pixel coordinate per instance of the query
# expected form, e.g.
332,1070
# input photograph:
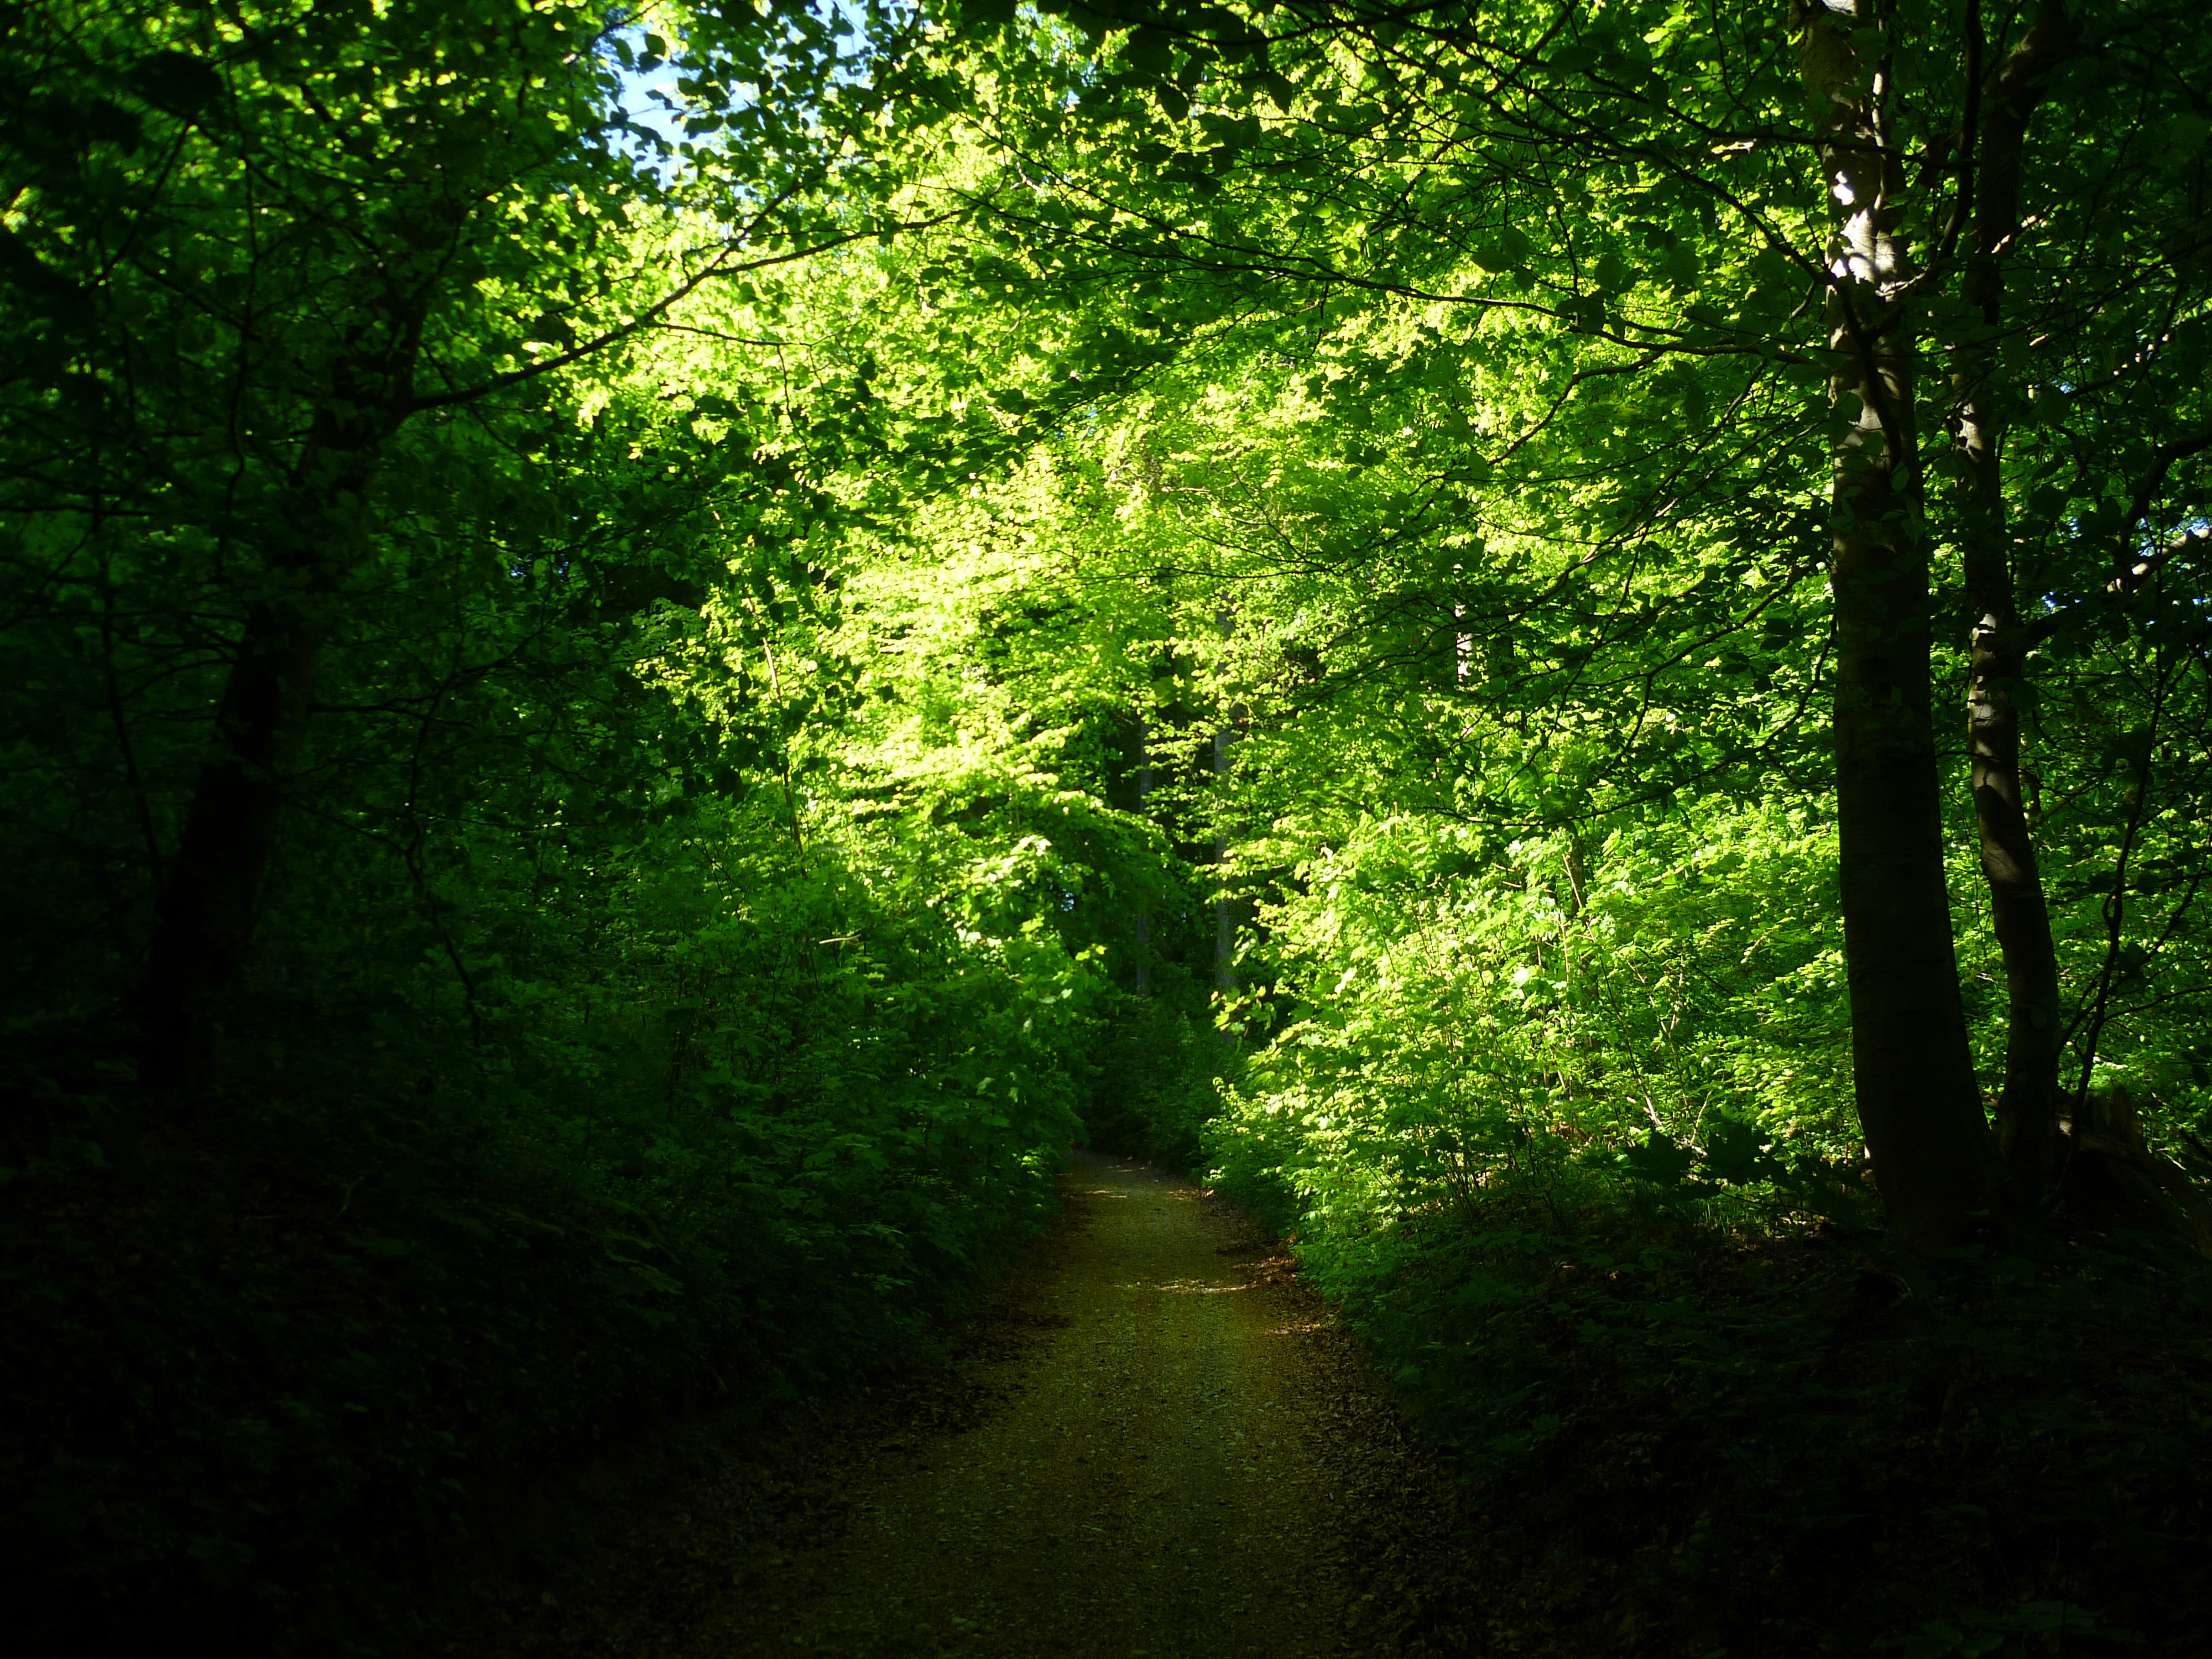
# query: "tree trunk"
1225,917
1143,919
1935,1159
1224,922
2027,1107
204,924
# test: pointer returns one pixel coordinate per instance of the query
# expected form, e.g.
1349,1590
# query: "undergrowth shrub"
720,1143
1159,1065
1710,1422
1566,1134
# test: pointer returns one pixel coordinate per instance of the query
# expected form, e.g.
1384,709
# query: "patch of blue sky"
654,101
653,104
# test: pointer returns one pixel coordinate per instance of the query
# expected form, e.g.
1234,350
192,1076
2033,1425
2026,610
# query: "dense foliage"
657,651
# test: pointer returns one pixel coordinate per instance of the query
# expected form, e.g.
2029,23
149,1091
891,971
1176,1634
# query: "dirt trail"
1150,1485
1164,1449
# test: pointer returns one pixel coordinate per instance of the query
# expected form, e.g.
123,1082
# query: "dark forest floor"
1151,1440
1154,1439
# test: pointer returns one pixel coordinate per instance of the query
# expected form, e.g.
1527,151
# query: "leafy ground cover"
1687,1432
271,1358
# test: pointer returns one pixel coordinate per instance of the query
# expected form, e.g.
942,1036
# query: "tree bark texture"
1934,1158
2027,1107
203,924
1224,907
1142,922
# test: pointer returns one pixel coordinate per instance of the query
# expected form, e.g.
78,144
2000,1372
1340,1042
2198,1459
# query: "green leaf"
178,82
1508,250
1658,1158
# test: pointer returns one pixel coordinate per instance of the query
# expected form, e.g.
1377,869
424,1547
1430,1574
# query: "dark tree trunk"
204,924
1142,922
1933,1157
2027,1107
1128,785
1226,908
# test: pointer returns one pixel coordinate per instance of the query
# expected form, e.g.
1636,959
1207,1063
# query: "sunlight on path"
1151,1486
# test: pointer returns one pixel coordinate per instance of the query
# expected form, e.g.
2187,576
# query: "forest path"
1148,1487
1165,1448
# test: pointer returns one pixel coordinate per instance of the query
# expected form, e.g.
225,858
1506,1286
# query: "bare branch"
718,266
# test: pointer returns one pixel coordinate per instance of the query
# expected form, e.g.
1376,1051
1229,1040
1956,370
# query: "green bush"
269,1351
1158,1066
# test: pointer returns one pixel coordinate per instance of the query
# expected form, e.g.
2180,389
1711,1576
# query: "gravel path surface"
1156,1445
